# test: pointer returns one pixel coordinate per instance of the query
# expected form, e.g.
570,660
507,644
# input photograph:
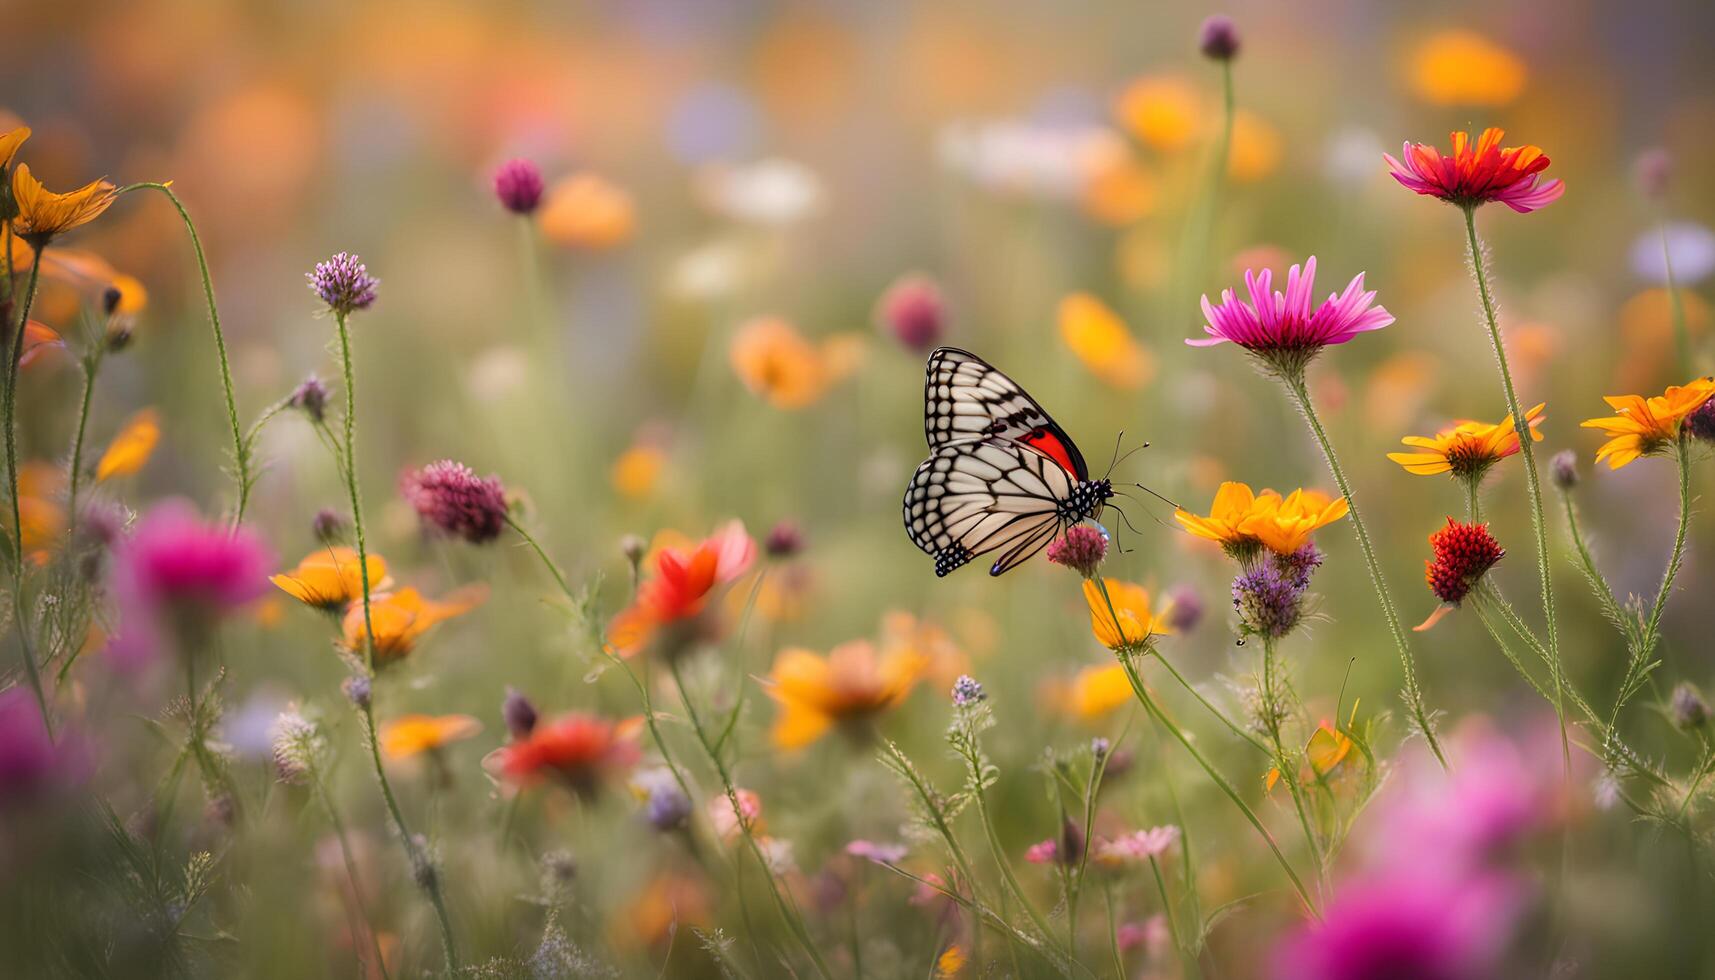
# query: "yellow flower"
1100,340
1256,148
1092,693
950,963
1160,110
329,579
1645,426
1129,622
587,211
131,448
400,618
410,735
1467,448
634,473
40,512
850,685
781,366
1240,519
44,215
1462,68
9,144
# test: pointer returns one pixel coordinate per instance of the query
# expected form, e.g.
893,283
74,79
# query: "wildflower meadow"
833,490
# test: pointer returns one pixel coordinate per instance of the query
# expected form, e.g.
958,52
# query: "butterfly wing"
973,497
965,397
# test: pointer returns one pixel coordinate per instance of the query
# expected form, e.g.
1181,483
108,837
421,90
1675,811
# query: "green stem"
1232,725
321,794
91,365
1675,307
19,614
1113,932
420,863
240,452
788,912
1413,693
1285,764
553,569
1533,482
1652,627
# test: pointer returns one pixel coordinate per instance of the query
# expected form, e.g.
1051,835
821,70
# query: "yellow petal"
131,448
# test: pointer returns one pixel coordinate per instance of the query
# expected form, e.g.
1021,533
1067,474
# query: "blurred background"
1041,164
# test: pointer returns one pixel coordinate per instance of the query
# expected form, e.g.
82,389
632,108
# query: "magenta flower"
914,312
518,186
1417,925
1081,549
451,498
1475,174
32,763
1284,329
880,853
178,574
343,283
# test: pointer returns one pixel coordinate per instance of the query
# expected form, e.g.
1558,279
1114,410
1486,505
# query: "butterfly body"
1002,476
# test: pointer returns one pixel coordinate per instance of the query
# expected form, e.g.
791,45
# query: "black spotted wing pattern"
965,397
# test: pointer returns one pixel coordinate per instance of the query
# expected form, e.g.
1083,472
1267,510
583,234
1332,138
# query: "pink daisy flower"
1285,329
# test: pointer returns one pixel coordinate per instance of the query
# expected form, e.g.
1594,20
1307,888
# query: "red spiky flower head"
1463,553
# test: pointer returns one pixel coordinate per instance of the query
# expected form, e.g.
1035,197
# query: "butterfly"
1001,474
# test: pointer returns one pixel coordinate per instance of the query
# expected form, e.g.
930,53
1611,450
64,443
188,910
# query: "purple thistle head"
1218,38
914,312
1687,708
310,397
343,283
177,573
451,498
518,185
1269,601
1297,567
966,691
1701,423
1081,549
1563,469
1285,330
784,540
1184,609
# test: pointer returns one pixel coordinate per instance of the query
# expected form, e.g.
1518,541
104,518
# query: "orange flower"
44,215
784,368
1240,519
1463,68
943,659
331,578
1466,449
1647,426
1100,340
587,211
39,508
850,685
1478,174
411,735
1323,753
636,470
668,904
9,144
1092,692
39,339
131,448
1129,623
685,575
580,749
1162,111
399,619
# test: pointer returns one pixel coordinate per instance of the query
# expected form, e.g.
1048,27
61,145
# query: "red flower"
1474,176
684,579
577,748
1463,553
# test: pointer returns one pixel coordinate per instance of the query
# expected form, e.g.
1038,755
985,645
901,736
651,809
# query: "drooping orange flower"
410,735
9,144
582,750
1101,342
331,578
786,369
850,685
1130,621
1241,519
44,215
684,576
1646,426
131,448
1467,448
400,619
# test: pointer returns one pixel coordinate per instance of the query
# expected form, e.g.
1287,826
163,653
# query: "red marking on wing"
1048,444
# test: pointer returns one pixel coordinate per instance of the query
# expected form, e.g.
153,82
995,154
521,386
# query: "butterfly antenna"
1115,458
1166,500
1118,459
1122,493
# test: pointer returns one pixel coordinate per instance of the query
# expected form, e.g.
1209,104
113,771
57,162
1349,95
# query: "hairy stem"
240,451
1413,693
20,615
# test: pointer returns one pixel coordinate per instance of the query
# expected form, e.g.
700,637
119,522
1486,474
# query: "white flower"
1691,245
1032,159
774,191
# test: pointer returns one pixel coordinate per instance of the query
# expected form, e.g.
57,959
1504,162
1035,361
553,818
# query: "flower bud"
966,691
311,398
519,713
328,526
1701,423
1563,469
357,690
1687,707
518,185
1218,38
784,540
633,548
